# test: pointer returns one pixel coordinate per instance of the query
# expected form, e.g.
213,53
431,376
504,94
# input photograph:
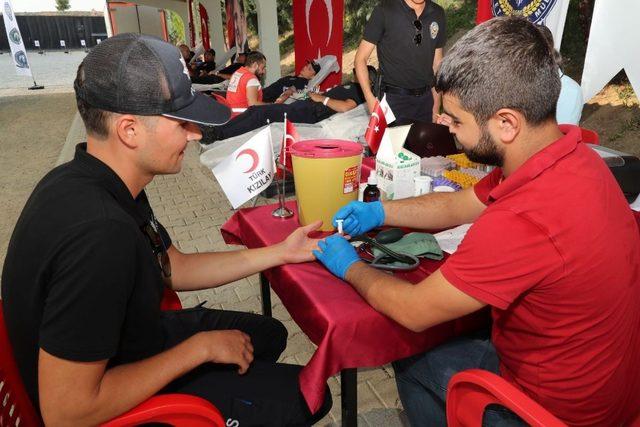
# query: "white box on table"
395,166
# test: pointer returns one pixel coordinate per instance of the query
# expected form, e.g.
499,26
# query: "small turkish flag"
380,118
290,137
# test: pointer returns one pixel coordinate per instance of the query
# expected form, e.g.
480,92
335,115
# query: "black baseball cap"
316,67
140,74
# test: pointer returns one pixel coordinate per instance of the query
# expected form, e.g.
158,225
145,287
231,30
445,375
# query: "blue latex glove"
337,254
360,217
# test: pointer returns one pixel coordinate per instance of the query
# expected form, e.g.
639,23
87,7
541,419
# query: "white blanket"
348,126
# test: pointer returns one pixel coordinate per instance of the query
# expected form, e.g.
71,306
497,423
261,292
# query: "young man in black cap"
88,261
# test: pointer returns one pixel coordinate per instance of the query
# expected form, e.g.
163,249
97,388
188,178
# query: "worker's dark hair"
254,57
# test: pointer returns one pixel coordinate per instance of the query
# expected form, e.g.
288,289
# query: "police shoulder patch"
433,29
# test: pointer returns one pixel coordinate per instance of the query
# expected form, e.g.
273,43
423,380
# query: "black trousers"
410,109
256,116
267,394
207,79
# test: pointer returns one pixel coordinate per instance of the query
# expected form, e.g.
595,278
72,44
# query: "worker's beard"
486,150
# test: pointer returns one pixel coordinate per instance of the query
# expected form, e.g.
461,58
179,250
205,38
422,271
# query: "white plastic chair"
222,61
328,64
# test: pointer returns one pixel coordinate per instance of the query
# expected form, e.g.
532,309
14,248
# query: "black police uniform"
82,281
275,89
306,111
406,50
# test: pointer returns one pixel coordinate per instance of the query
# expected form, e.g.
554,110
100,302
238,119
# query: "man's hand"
316,97
337,254
443,119
298,246
360,217
371,103
230,347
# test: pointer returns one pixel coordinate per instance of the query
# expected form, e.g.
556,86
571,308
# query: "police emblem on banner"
8,11
14,36
534,10
21,59
433,29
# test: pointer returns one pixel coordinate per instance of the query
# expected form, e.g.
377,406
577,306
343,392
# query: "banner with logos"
551,13
18,52
317,31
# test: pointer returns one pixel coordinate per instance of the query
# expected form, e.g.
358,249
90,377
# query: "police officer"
409,36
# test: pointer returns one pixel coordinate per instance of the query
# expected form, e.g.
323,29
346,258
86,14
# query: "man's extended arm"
434,210
430,212
417,307
360,63
205,270
336,105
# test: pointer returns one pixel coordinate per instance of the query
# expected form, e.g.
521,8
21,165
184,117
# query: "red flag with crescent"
318,31
381,116
290,137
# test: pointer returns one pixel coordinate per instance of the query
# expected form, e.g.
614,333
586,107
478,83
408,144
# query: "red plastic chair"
170,300
590,136
178,410
469,393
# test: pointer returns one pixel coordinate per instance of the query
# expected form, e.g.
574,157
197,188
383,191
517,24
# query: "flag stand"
35,86
282,211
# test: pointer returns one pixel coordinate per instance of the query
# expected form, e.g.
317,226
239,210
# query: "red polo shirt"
556,253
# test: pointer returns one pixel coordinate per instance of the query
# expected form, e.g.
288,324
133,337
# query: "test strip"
339,222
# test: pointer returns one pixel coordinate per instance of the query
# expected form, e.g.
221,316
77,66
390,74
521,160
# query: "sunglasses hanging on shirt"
150,230
417,39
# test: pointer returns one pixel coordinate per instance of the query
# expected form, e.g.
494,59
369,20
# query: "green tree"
62,5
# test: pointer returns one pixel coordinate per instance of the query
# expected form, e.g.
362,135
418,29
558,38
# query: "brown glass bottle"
371,191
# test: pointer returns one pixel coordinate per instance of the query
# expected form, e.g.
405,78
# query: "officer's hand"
228,346
371,103
336,254
360,217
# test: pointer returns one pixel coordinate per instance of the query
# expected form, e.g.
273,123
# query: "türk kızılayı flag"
247,171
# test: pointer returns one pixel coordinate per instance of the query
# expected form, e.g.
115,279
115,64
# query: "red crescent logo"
254,157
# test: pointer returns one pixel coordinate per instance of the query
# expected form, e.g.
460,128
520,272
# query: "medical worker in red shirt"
245,88
554,249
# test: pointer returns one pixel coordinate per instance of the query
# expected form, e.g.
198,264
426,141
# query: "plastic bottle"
371,191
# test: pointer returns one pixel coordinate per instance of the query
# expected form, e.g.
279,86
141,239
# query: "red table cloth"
348,332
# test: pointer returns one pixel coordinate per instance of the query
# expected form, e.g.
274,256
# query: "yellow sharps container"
326,173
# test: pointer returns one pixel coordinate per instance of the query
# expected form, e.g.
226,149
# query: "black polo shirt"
275,89
391,29
80,279
343,92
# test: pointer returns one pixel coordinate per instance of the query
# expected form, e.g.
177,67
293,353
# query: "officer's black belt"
395,90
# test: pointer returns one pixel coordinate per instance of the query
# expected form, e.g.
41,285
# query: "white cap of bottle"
373,179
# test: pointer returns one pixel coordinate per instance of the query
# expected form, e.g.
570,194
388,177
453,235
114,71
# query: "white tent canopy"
614,44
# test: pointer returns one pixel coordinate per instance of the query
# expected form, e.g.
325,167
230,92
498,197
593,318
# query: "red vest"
237,91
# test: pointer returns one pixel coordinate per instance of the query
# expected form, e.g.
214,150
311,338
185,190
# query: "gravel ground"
53,68
33,131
